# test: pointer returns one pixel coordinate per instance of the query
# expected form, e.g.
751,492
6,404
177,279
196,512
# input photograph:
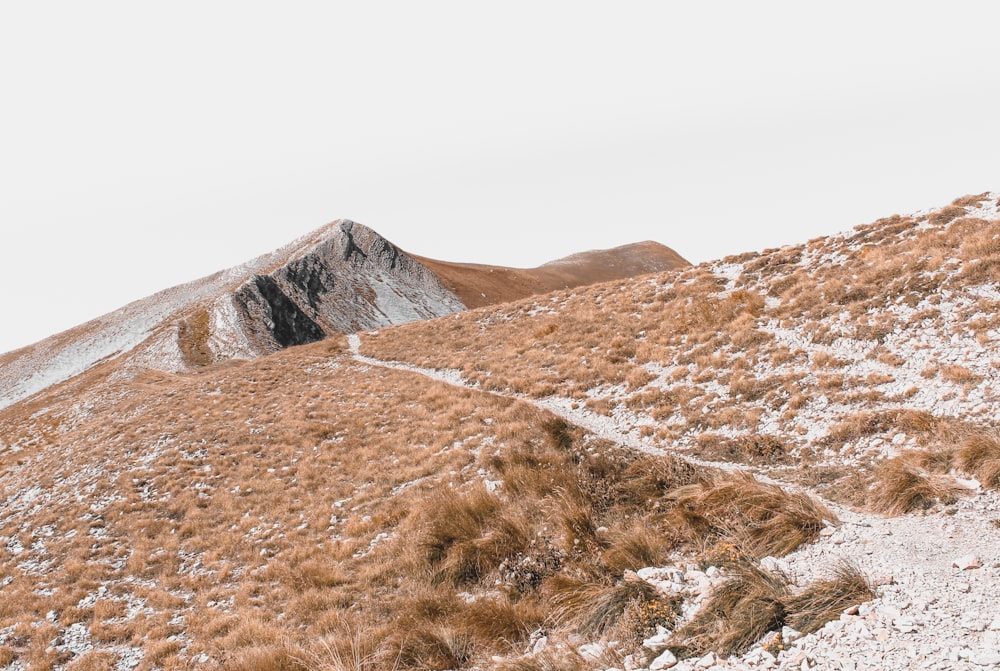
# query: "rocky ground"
937,578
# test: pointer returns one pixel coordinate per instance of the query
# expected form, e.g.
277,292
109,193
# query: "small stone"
774,565
665,661
985,658
712,571
963,587
995,625
967,563
883,579
540,645
706,661
631,663
788,634
851,610
657,643
591,652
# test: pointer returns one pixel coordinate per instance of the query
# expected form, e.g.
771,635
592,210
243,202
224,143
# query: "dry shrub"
825,600
594,607
759,518
7,655
643,618
979,455
902,484
747,605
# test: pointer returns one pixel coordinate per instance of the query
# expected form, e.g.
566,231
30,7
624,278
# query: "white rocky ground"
938,576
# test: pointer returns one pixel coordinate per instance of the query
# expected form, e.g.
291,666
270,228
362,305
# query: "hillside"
782,460
480,285
341,278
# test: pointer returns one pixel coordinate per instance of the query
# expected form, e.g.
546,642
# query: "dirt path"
930,614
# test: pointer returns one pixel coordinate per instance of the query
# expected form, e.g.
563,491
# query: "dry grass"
595,607
980,455
905,483
758,518
330,492
747,605
753,448
752,602
824,600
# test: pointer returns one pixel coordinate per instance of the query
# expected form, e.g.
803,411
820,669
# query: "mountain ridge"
340,278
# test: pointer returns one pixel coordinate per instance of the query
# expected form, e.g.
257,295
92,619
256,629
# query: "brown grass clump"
753,601
455,539
903,484
435,647
266,658
755,448
351,646
946,215
759,518
640,544
825,600
594,607
747,605
95,660
863,424
980,455
7,655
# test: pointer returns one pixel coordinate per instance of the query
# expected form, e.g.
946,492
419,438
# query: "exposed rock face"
342,278
353,280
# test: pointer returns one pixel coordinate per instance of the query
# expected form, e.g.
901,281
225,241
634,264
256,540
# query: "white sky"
146,144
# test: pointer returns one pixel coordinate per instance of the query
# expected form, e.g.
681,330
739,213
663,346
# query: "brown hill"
479,285
527,486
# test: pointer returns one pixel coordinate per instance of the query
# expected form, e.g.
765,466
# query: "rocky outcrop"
353,279
342,278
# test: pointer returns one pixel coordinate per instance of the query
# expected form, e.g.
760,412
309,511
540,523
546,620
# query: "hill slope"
714,463
480,285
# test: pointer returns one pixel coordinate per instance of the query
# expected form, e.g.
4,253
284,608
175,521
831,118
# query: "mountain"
342,278
479,285
783,459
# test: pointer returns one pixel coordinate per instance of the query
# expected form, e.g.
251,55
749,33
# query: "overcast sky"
146,144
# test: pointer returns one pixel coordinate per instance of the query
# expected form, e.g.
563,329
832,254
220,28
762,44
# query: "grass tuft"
759,518
980,455
825,600
902,485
